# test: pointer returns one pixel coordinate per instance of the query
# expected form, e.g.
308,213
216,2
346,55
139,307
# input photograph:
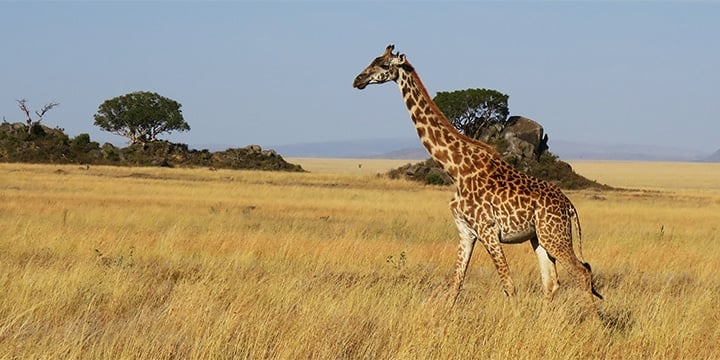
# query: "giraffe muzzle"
359,82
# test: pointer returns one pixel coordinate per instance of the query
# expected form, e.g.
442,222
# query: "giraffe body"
494,203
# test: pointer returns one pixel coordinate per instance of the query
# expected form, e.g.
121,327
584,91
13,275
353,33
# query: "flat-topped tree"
473,111
140,116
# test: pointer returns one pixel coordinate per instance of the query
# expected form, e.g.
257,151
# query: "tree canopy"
140,116
473,110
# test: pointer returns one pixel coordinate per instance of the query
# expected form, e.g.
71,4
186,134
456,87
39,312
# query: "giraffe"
493,203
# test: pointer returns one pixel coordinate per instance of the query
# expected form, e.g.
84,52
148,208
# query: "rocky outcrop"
428,172
251,157
46,145
522,143
526,138
518,140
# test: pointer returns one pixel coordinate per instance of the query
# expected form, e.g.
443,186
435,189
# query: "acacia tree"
140,116
473,110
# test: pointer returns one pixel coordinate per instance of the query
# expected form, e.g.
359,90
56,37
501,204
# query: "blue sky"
274,73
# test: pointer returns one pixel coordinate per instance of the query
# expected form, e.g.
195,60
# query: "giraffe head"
383,69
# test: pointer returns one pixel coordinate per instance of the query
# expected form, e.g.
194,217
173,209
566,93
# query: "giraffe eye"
385,66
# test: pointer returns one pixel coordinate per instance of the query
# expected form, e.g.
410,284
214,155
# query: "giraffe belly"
517,237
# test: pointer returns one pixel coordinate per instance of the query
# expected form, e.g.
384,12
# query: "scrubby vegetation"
40,144
548,167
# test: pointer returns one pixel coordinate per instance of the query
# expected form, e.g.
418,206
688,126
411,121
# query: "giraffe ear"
401,58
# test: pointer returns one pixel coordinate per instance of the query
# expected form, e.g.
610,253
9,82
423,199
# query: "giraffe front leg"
464,253
490,238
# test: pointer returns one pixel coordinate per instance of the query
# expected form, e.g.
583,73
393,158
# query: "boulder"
526,138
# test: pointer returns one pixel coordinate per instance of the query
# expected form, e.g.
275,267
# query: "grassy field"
349,166
149,263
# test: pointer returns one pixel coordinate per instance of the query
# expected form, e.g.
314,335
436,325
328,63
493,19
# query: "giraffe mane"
419,84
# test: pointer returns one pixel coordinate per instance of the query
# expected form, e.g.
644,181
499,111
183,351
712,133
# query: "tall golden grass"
196,264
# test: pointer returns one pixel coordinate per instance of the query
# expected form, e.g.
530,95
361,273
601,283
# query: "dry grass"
197,264
652,175
349,166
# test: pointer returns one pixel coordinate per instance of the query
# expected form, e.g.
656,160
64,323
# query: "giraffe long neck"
444,143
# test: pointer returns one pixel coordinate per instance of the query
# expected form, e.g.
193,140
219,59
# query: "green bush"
434,178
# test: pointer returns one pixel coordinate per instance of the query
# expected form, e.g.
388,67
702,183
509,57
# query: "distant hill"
715,157
577,151
389,148
416,153
411,148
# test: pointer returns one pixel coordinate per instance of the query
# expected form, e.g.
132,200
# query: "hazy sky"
280,72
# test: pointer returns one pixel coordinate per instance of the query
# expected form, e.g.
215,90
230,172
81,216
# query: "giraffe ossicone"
493,202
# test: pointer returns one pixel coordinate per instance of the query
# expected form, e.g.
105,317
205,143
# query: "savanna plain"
339,263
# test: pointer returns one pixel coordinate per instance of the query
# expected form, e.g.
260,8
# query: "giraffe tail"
576,225
576,221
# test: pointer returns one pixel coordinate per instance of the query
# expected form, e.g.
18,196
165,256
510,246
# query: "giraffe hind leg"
560,247
592,286
548,270
580,273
